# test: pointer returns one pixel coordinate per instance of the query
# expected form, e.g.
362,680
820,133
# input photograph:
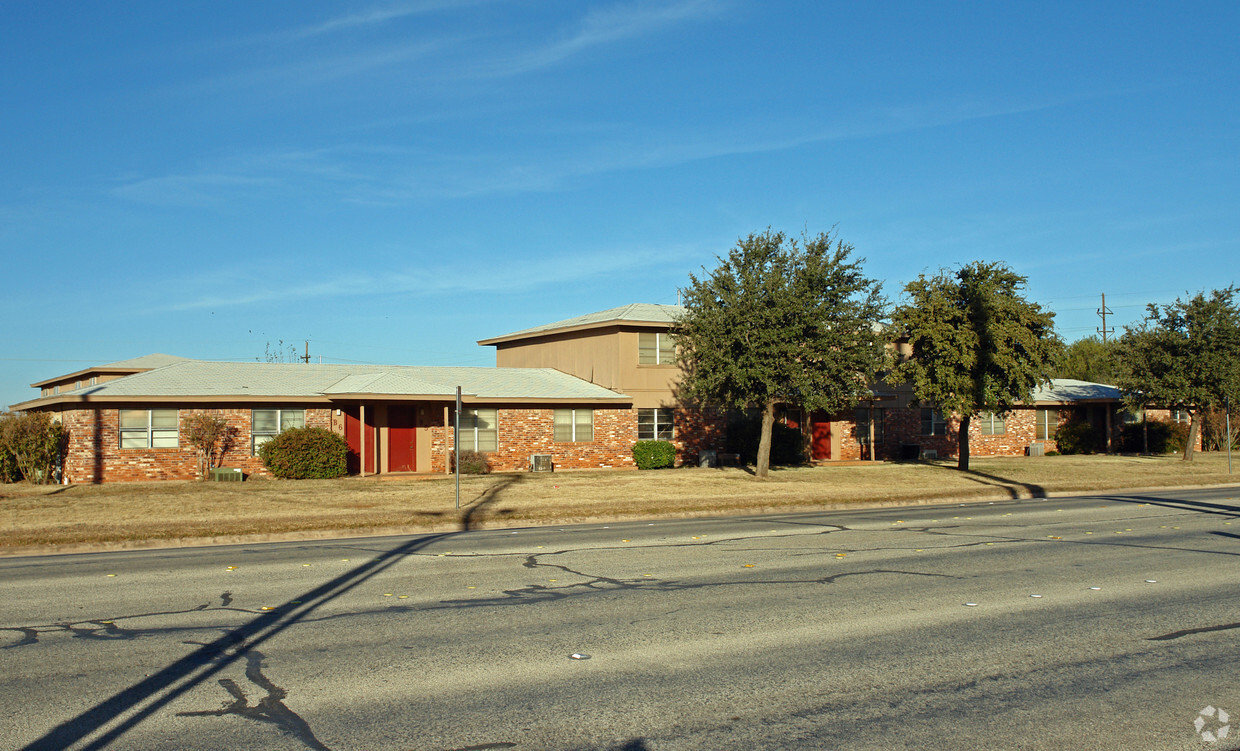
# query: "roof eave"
615,322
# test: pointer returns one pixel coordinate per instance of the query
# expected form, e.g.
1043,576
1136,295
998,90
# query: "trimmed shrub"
473,462
305,454
1079,438
654,454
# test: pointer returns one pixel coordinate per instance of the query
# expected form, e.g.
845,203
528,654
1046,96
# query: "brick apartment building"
581,391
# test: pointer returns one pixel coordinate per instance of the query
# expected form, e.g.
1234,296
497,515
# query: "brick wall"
94,453
523,431
902,426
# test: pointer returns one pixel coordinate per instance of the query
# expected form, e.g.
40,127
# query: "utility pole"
306,357
1104,311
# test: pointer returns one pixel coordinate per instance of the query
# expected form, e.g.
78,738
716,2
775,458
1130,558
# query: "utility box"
541,463
929,454
708,458
226,474
1036,449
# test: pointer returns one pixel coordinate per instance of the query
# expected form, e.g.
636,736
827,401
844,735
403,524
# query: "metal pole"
1227,405
456,444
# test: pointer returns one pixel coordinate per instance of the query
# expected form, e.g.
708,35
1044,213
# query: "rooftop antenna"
1104,311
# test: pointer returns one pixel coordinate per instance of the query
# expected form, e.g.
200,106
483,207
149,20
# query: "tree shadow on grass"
476,511
1013,488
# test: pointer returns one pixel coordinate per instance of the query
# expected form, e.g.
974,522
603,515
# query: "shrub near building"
654,454
305,454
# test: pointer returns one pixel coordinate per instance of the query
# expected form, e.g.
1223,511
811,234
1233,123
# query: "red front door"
402,439
353,431
820,443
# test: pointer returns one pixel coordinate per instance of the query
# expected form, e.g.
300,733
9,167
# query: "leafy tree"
1185,355
781,321
1089,359
35,441
211,436
977,344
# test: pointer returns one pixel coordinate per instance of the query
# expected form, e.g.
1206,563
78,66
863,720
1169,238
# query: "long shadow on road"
139,701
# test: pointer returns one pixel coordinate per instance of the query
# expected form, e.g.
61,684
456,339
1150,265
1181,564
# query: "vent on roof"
541,463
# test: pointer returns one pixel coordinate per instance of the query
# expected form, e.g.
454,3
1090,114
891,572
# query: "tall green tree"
781,321
1089,359
1185,355
977,344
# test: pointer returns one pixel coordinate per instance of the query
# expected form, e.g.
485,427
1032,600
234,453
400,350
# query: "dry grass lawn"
48,518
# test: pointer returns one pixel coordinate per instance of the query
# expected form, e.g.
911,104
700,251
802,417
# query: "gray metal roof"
196,378
634,313
1070,390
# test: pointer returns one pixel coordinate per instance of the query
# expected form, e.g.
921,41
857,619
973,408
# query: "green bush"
1079,438
31,444
788,445
473,463
8,466
654,454
1164,437
306,453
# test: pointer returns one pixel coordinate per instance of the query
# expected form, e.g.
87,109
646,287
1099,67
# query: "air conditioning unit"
541,463
1036,449
929,453
226,474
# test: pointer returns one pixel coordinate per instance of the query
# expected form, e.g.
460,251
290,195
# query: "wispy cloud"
391,175
552,270
375,17
600,27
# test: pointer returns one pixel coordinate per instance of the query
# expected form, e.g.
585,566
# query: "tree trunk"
764,441
962,462
1194,427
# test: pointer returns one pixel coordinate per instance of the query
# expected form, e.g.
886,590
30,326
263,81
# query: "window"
148,428
655,348
573,425
479,429
992,424
932,422
1181,415
1047,424
654,424
268,423
862,418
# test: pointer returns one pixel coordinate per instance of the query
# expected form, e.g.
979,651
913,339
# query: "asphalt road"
1101,622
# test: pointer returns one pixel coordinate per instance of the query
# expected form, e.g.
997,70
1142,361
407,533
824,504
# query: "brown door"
820,443
402,439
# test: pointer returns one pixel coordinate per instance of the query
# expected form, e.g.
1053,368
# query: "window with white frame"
1047,424
861,416
654,424
148,428
269,423
932,422
479,429
992,423
655,348
1181,415
573,425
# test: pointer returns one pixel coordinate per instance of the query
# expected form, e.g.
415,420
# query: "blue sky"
393,181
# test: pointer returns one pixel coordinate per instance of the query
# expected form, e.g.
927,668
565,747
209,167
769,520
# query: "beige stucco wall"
604,356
